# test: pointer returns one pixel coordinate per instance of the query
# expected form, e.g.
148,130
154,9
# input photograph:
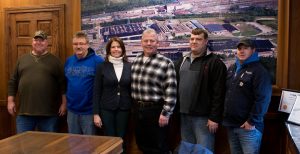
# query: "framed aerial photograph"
227,21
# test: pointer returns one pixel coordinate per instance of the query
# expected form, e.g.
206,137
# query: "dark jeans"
150,137
115,123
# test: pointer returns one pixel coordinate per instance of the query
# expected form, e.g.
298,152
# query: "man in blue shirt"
80,70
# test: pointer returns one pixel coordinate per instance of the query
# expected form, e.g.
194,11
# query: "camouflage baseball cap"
40,34
246,42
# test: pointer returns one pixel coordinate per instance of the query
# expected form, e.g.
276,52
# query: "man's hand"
11,108
11,105
212,126
63,107
163,121
97,120
248,126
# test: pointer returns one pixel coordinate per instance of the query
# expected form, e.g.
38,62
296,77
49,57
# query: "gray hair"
150,31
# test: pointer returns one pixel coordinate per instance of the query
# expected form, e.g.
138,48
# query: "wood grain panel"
22,29
22,49
294,46
45,25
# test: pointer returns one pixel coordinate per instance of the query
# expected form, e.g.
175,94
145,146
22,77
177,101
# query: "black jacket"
107,87
248,95
210,86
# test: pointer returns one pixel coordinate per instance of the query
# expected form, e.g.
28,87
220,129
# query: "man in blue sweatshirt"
248,94
80,70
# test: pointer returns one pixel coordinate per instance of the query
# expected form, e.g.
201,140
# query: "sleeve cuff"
165,113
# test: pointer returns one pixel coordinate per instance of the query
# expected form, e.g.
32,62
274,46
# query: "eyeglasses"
79,43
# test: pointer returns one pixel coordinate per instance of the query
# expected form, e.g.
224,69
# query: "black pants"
150,137
115,123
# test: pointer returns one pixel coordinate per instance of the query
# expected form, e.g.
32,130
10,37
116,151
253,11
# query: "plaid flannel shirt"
154,80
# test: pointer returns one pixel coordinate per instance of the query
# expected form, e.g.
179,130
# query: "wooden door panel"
22,49
22,28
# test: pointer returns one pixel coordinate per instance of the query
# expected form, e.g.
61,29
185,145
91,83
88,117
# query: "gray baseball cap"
246,42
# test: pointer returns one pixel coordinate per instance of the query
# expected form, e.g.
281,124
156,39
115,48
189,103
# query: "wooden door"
20,25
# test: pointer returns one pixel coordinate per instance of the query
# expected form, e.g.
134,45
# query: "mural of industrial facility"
227,21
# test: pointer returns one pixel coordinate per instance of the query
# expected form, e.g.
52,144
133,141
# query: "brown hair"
198,31
108,46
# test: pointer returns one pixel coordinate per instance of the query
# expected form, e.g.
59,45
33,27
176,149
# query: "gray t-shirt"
187,85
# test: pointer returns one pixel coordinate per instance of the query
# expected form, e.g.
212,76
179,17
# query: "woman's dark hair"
108,46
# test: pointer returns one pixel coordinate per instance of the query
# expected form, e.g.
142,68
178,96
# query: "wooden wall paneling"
294,46
282,48
288,46
2,59
73,23
274,128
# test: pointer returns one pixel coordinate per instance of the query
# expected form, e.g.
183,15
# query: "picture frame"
287,100
294,116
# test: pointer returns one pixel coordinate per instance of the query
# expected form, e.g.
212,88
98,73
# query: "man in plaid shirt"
154,93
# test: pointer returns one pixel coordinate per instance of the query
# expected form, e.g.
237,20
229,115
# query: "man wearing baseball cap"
248,94
38,80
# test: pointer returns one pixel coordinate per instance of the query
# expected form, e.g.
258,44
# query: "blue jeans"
195,131
81,124
243,141
42,123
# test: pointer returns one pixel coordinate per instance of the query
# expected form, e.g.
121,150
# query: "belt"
143,104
